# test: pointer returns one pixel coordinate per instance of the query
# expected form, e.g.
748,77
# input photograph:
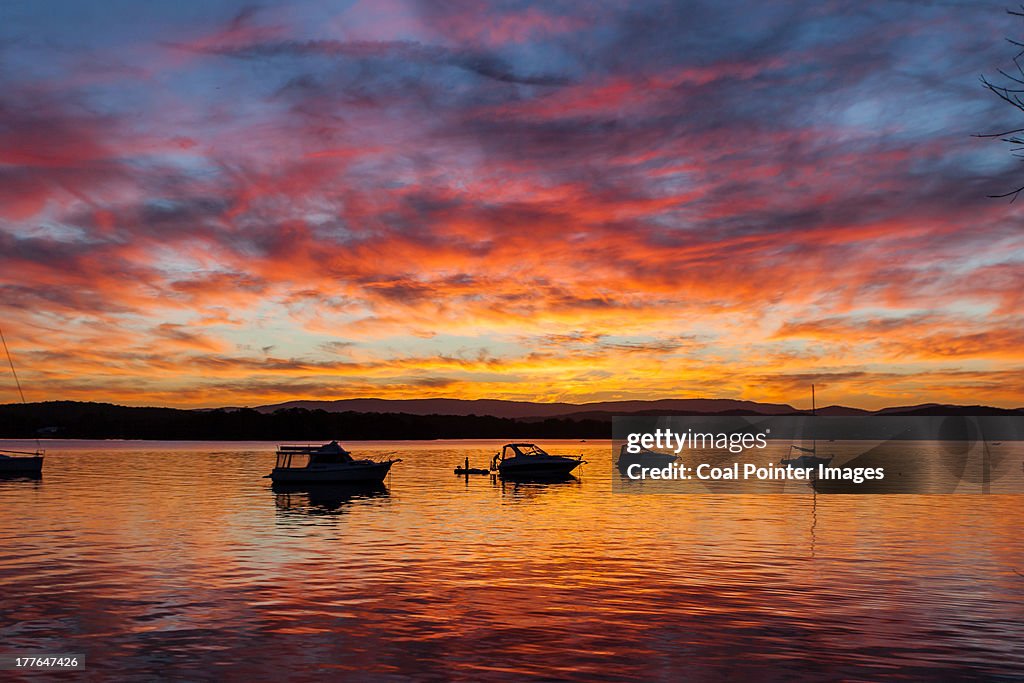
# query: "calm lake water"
177,560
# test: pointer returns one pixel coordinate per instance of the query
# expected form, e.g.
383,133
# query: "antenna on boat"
17,382
814,410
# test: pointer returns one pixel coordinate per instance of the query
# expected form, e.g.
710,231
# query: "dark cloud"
482,64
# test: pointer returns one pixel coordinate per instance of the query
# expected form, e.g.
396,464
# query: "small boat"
803,462
21,463
530,460
470,470
811,459
645,458
327,463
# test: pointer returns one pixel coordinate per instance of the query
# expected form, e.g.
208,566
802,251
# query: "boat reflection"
21,476
536,478
531,487
321,499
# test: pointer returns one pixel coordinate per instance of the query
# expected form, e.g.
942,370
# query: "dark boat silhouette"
329,463
19,463
645,458
466,469
529,460
471,470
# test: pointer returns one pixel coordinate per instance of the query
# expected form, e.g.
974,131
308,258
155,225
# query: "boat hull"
805,462
372,473
21,466
471,470
645,460
547,467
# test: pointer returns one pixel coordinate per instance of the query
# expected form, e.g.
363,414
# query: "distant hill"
841,411
902,409
381,419
606,416
527,409
79,420
934,409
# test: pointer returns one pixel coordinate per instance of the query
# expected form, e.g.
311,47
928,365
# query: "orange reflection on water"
181,559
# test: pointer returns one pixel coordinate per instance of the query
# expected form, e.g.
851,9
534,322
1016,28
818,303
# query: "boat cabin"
289,457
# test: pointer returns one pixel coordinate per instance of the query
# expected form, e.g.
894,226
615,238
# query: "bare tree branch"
1008,91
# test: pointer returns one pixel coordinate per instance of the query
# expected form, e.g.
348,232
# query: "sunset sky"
212,203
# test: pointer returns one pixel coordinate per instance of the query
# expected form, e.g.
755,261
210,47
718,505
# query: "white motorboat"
808,461
530,460
327,463
645,458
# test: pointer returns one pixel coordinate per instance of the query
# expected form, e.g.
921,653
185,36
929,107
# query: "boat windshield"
526,449
303,456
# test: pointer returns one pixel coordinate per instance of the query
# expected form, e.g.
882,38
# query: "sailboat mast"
813,407
10,361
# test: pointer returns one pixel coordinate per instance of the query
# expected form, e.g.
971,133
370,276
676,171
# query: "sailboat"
807,458
19,463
